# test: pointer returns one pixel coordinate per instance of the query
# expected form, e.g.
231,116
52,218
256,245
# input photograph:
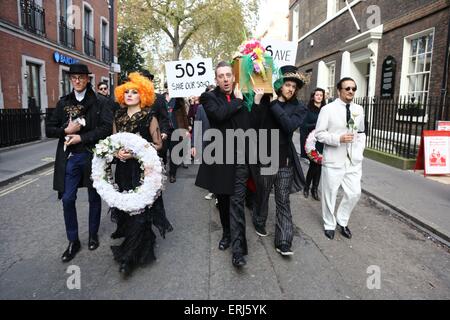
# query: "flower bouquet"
253,67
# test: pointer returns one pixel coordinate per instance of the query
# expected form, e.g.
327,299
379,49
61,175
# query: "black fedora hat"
291,73
79,68
147,74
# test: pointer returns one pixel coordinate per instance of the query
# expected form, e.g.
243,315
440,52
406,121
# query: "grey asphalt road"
386,259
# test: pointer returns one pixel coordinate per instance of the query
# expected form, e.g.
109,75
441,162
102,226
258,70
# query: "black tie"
348,112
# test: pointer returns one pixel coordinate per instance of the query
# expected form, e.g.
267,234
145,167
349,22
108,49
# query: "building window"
419,66
334,6
89,41
33,85
105,42
66,33
33,16
331,79
295,22
65,83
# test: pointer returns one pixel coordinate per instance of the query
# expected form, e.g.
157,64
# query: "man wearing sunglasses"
102,88
340,127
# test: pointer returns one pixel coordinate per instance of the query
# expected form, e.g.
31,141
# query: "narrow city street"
385,259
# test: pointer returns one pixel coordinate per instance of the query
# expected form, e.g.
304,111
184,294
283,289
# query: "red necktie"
228,98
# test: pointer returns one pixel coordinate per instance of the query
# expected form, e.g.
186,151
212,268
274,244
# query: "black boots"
306,192
314,194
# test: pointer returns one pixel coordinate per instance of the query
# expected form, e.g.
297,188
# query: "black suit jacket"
99,120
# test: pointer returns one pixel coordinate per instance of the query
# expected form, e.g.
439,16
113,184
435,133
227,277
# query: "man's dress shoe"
93,242
71,251
345,231
329,234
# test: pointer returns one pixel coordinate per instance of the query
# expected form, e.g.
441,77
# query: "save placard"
186,78
282,52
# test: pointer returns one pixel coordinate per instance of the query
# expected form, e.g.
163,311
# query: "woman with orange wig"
139,238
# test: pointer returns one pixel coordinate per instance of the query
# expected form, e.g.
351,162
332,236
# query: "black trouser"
282,181
172,166
224,212
237,212
163,152
313,175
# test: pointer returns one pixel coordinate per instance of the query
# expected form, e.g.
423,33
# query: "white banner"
282,52
186,78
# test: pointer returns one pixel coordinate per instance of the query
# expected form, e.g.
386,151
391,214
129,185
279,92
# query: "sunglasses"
350,88
103,88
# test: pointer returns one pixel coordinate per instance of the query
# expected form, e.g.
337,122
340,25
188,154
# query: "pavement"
423,201
16,161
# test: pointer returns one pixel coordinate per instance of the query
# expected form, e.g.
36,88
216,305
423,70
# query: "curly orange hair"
140,83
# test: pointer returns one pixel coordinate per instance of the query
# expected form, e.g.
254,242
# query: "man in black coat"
283,115
225,111
80,120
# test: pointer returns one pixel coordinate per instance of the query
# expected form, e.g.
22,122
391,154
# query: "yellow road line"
15,185
46,173
18,186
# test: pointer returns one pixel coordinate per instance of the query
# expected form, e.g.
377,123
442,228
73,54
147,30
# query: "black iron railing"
66,34
89,45
395,125
33,17
106,58
19,126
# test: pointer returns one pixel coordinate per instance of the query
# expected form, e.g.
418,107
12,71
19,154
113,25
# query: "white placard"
282,52
186,78
437,154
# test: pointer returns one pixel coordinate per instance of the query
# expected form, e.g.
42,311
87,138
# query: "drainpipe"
445,76
111,45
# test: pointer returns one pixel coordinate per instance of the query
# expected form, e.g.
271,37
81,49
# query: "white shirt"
331,124
80,95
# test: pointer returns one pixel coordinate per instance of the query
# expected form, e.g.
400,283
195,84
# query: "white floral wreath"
131,201
310,148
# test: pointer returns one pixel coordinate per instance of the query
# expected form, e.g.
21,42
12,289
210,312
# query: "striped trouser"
284,230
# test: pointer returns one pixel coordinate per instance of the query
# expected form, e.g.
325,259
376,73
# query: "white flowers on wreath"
152,180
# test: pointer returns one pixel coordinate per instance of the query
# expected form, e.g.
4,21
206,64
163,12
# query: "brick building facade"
41,38
410,37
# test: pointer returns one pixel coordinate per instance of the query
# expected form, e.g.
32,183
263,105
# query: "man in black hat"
284,115
79,120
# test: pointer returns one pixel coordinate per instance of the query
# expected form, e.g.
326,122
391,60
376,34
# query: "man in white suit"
340,127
